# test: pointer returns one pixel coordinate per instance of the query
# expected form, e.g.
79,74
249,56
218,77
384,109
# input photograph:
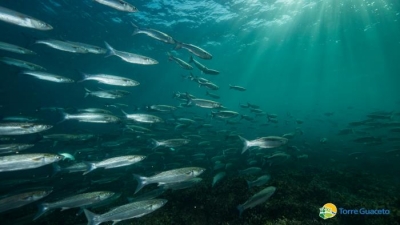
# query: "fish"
110,80
48,76
143,118
21,64
19,119
212,95
251,170
130,57
15,49
258,198
62,46
124,212
171,143
114,162
89,48
169,176
16,148
103,94
259,181
74,168
75,201
181,185
218,177
27,161
197,51
224,114
203,68
19,200
148,195
158,35
210,86
17,18
204,103
264,142
161,108
92,117
22,128
238,88
180,62
118,5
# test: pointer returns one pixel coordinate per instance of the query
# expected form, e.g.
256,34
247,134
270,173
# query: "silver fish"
180,62
158,35
103,94
15,49
203,68
48,76
264,142
19,200
8,148
130,57
118,5
238,88
26,161
63,46
204,103
199,52
171,143
94,110
115,162
80,200
21,64
92,117
259,181
181,185
22,128
110,80
143,118
224,114
170,176
19,119
148,195
124,212
90,48
161,108
13,17
257,199
212,95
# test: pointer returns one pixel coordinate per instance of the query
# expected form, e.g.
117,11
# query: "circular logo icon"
327,211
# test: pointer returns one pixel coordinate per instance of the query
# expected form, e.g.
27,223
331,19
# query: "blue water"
326,63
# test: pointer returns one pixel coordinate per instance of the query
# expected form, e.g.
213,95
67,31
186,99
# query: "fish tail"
90,167
110,50
43,208
241,116
191,60
230,86
169,56
87,92
241,209
137,29
91,217
65,116
178,45
246,144
142,181
84,77
155,143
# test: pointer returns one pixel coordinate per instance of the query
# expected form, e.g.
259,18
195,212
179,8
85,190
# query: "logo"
327,211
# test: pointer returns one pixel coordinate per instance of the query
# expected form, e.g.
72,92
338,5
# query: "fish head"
40,25
128,7
195,171
157,203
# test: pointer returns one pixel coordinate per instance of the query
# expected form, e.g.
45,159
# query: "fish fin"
56,169
142,181
110,50
84,77
43,208
90,167
241,209
137,29
91,217
246,144
115,222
